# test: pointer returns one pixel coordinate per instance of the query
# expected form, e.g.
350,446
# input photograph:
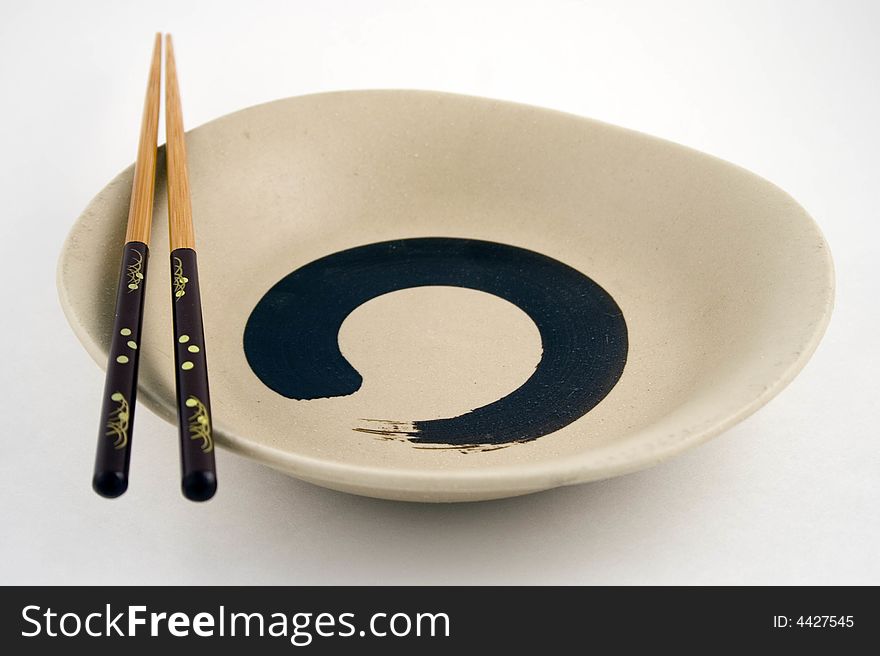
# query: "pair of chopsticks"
199,478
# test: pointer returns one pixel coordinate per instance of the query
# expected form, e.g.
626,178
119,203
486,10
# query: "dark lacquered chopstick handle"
199,476
120,386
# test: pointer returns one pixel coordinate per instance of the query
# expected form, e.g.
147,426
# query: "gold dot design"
123,358
186,365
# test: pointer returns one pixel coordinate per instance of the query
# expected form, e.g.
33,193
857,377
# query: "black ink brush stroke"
291,337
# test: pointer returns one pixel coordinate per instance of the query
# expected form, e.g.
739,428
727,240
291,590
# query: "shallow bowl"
424,296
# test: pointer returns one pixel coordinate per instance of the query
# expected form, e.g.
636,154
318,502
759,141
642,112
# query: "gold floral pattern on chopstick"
135,271
180,280
117,421
200,424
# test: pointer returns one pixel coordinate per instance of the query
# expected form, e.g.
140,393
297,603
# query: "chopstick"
198,476
120,385
198,471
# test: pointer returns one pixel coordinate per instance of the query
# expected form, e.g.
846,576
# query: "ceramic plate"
424,296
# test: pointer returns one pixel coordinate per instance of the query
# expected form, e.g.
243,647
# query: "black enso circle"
291,336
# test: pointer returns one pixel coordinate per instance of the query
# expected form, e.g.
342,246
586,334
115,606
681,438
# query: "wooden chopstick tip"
170,63
157,48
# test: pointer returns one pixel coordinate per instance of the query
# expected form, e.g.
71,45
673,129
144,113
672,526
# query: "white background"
790,90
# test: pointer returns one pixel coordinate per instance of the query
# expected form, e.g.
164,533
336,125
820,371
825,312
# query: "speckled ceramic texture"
725,283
